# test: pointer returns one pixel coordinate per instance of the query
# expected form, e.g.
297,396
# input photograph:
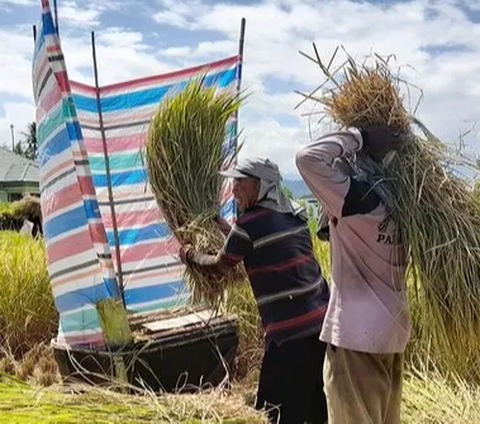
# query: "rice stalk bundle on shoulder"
435,209
185,152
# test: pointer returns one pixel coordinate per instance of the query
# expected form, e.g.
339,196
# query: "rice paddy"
27,312
429,395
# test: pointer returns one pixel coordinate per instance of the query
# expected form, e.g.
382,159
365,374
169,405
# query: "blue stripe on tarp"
86,296
147,97
68,221
135,235
121,178
60,142
151,293
38,44
228,208
180,300
57,144
48,27
92,209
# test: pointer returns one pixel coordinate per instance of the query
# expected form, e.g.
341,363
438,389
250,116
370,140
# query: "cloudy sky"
436,44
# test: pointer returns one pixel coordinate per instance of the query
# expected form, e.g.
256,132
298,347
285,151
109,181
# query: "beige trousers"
363,388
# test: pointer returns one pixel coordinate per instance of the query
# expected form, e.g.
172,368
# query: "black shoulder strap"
360,199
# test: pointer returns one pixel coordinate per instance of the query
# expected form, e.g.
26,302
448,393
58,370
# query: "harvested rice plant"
185,152
436,211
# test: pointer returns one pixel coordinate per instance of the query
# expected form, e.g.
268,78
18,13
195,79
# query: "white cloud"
20,114
18,2
436,38
15,72
121,54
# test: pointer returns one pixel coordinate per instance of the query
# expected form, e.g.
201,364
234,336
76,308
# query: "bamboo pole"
107,170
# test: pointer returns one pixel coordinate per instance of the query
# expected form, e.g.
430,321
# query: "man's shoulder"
253,216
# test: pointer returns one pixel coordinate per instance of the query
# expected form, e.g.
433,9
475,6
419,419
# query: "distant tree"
18,149
30,141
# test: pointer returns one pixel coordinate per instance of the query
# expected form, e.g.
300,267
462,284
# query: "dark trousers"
291,382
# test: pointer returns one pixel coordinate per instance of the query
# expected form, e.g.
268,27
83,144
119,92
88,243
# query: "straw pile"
435,210
185,152
29,208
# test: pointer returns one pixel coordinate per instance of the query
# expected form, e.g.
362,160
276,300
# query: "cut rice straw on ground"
436,212
185,152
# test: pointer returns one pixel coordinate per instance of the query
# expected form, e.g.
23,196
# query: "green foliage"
27,311
30,141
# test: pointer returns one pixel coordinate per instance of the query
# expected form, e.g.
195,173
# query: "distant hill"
297,187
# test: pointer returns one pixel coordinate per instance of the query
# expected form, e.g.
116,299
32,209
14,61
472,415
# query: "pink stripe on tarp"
62,79
50,99
86,186
67,196
78,86
69,246
40,68
156,79
97,232
53,48
130,219
62,166
87,340
157,249
118,144
60,200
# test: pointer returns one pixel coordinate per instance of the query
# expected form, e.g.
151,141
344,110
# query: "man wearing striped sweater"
272,239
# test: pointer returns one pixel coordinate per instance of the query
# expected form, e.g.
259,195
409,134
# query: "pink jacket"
368,309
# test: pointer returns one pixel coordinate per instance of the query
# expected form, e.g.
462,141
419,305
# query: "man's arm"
212,264
315,162
236,247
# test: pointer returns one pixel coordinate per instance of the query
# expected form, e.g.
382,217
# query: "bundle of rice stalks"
185,152
436,212
28,208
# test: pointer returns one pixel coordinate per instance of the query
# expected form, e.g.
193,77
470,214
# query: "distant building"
18,176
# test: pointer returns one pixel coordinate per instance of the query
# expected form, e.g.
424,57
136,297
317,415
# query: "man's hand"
379,140
223,224
184,252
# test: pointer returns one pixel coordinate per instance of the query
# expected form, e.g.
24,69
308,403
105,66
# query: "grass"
427,400
433,400
27,312
22,404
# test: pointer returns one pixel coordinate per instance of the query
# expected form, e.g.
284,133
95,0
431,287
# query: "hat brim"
233,173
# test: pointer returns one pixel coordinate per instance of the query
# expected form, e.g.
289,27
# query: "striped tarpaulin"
79,257
149,253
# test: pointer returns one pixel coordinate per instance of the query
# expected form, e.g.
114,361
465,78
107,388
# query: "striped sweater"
277,251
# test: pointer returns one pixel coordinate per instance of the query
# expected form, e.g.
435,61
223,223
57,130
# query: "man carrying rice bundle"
367,324
272,239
